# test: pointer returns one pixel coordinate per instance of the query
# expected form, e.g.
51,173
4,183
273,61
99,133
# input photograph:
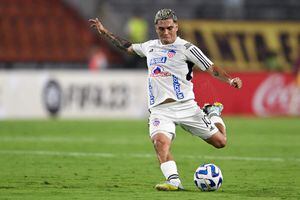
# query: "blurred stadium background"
53,64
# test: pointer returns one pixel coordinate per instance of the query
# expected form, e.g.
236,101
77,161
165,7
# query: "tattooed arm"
223,76
117,41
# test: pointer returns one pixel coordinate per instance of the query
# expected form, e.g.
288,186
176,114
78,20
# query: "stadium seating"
52,31
45,31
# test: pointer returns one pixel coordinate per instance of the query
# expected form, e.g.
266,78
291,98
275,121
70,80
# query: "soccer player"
170,60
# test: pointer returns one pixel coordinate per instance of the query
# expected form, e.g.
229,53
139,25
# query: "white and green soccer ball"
208,177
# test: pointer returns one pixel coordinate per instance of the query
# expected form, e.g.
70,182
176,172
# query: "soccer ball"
208,177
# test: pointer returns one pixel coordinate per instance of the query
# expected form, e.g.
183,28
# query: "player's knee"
218,140
221,143
161,142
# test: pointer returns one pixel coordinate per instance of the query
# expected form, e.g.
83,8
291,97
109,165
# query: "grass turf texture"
115,160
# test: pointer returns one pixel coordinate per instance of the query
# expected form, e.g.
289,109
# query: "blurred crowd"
57,31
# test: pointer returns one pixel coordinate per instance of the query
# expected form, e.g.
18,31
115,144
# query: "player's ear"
176,24
156,28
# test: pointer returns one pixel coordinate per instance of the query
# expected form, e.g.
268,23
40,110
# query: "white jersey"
170,69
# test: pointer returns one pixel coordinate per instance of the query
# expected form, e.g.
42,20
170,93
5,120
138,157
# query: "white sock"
217,119
169,170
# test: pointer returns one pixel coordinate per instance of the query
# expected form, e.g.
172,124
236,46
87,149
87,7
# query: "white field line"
66,139
63,139
144,155
45,139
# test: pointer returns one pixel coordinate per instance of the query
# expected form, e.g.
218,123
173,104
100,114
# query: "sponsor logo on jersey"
177,89
158,71
151,96
155,61
171,53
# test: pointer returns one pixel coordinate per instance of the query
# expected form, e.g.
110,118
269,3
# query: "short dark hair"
165,13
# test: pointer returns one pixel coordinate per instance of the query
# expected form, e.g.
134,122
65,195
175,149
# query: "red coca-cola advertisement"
262,94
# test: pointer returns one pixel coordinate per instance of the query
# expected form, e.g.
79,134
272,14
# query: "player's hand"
236,82
95,23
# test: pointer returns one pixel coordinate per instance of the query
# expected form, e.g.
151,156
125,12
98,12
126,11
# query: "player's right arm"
117,41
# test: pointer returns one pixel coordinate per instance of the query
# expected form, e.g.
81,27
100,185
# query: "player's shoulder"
185,45
144,45
151,42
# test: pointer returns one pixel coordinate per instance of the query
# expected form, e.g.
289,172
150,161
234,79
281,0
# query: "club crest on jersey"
158,71
155,61
155,122
171,53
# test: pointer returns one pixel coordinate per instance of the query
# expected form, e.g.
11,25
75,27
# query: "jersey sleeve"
140,49
196,56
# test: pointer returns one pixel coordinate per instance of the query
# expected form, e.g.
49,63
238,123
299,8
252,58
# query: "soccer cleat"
213,109
168,186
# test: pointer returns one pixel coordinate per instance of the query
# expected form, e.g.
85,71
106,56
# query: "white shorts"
188,115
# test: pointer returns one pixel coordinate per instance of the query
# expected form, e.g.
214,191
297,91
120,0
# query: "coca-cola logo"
276,96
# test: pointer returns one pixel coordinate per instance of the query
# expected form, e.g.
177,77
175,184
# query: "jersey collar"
177,38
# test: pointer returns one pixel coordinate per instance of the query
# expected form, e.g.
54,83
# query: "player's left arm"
220,74
196,56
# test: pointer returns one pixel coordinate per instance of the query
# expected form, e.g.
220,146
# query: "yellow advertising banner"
246,46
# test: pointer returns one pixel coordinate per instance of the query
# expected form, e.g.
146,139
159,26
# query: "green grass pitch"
104,159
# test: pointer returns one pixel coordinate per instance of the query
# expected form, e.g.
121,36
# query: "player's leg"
213,112
218,140
162,132
207,124
162,144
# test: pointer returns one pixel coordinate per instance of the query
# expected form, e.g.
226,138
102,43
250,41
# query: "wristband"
231,81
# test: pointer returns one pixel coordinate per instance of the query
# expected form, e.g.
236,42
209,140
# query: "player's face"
166,31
